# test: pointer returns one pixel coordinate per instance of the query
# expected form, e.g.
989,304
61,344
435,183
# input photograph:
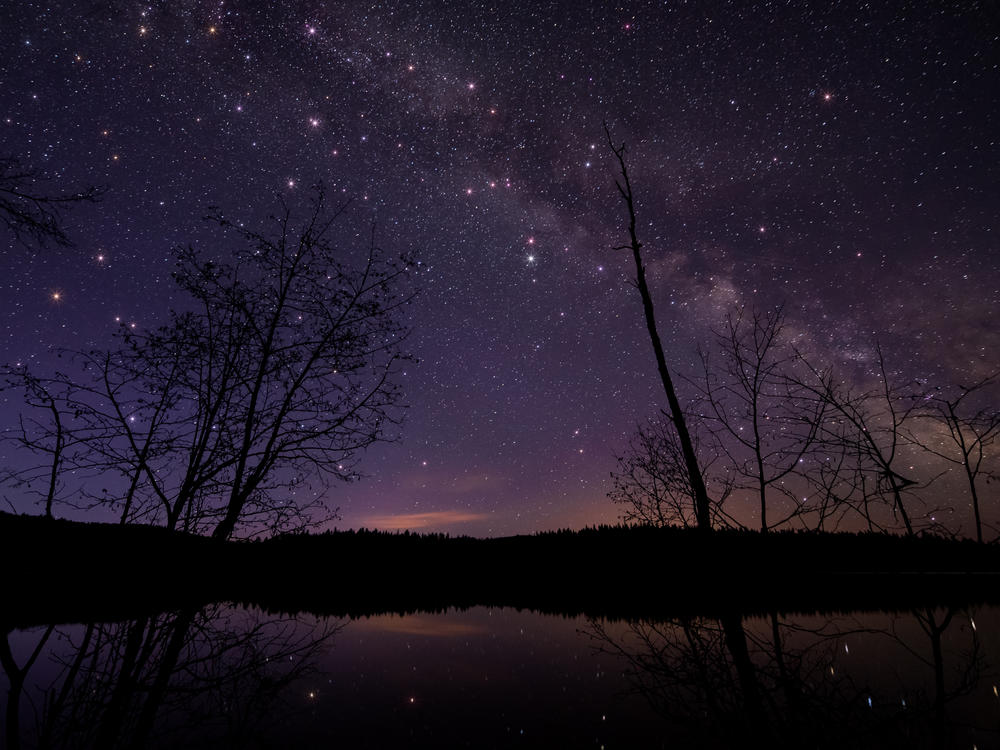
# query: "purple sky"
841,161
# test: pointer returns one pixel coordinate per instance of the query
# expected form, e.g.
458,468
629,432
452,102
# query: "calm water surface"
483,678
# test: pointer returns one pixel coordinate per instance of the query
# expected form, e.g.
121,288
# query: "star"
708,154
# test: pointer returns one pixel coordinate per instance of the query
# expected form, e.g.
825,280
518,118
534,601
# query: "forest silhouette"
71,571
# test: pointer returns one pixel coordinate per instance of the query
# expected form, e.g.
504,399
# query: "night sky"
842,161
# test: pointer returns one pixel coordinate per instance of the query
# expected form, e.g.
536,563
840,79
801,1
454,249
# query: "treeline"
72,571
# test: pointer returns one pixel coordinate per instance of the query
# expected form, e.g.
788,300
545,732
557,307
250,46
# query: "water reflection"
196,678
919,679
222,676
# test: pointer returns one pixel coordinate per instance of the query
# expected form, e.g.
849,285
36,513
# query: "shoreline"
66,571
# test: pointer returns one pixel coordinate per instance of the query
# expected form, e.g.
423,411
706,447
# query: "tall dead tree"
676,414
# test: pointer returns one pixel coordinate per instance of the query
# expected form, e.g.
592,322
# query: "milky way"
841,161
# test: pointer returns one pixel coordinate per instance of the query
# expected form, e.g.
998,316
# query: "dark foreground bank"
60,571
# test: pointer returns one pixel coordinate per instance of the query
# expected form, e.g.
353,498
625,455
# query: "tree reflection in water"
223,676
781,682
196,678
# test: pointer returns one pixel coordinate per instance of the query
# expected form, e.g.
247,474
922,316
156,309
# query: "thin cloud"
421,520
423,625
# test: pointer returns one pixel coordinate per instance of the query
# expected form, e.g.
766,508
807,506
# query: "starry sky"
840,160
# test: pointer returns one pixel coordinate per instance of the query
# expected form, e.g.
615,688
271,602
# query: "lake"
226,676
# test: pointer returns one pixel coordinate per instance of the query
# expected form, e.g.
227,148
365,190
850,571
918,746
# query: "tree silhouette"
33,214
972,429
653,484
764,422
42,432
702,504
242,407
871,427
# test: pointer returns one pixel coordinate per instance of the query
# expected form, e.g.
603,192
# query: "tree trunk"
736,642
975,502
158,689
897,495
15,679
227,525
701,501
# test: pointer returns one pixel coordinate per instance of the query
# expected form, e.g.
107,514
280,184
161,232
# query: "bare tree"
702,504
242,408
973,427
45,430
31,213
654,486
45,438
872,427
76,425
765,423
840,485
